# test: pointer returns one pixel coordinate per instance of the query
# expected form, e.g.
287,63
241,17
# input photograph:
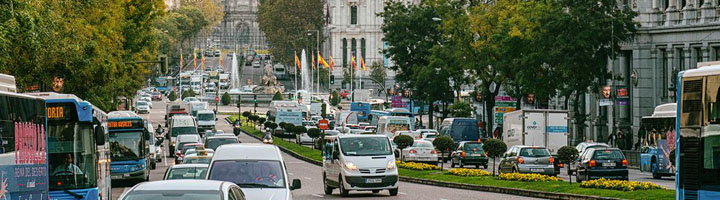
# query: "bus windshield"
71,154
126,145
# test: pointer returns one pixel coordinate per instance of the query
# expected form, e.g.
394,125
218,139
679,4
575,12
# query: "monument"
269,83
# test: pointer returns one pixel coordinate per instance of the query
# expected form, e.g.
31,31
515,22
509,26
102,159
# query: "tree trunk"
570,175
431,112
579,117
494,167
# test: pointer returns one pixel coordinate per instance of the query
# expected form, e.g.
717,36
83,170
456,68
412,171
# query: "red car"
156,96
344,94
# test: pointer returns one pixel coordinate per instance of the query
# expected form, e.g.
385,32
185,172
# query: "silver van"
361,163
258,169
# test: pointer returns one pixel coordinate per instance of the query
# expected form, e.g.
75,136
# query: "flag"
203,61
313,59
352,61
221,62
332,63
297,62
194,60
322,61
362,63
181,61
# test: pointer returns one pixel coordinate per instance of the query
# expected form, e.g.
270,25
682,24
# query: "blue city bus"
362,109
657,143
697,137
23,146
77,153
129,146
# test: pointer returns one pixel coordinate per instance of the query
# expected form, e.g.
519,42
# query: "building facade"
239,27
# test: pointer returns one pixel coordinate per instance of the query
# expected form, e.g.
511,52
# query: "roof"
256,151
222,136
704,69
668,110
122,114
189,166
360,136
185,184
205,112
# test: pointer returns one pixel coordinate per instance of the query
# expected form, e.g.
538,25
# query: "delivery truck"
547,128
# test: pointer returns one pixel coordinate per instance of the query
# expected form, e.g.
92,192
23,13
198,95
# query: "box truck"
548,128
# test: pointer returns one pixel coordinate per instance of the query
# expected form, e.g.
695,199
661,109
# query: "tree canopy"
286,25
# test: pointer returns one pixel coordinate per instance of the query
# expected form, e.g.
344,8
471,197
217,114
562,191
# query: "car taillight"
521,160
561,165
463,154
624,162
591,163
413,151
486,154
551,159
433,151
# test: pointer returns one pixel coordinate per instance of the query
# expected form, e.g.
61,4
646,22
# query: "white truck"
548,128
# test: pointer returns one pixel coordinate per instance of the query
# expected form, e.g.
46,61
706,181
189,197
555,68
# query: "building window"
681,59
344,52
362,48
665,4
662,56
353,15
698,57
353,48
717,53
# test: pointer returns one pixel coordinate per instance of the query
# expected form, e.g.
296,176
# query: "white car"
184,189
359,162
420,151
186,171
142,107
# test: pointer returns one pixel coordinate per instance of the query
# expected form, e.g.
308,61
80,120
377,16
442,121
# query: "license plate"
537,170
476,154
610,164
373,180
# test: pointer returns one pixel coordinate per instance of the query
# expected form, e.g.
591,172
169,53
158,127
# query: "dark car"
469,153
608,163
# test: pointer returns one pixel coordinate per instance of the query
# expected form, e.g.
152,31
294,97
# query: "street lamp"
317,46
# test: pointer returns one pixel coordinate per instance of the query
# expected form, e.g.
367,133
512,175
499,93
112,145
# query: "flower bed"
469,172
528,177
416,166
619,185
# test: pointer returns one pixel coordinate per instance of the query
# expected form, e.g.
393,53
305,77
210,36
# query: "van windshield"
249,173
365,146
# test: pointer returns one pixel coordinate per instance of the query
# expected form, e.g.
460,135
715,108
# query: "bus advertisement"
362,109
129,146
697,133
23,147
658,141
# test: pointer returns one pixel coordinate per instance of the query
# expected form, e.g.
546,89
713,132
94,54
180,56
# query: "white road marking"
317,195
291,174
402,193
308,178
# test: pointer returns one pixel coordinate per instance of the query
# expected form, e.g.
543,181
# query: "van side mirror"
99,135
295,184
335,155
147,135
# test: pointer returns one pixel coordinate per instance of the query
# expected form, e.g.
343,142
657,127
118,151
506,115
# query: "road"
310,176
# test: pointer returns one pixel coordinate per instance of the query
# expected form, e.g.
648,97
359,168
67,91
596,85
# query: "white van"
206,120
181,125
388,125
361,163
258,169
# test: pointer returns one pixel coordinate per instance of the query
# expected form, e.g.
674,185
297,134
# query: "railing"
633,158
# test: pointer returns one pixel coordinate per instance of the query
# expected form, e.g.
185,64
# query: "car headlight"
390,165
351,166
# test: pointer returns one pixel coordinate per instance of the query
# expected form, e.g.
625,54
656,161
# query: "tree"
324,111
403,141
172,96
290,128
253,118
246,114
461,109
444,144
335,100
225,99
378,75
261,120
314,133
298,130
494,149
271,125
567,155
287,32
188,93
267,124
278,96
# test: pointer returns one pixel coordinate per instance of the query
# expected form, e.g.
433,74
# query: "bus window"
711,134
692,102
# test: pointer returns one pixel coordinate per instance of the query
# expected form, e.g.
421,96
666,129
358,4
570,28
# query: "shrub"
261,120
267,124
277,96
271,125
416,166
619,185
225,100
403,141
494,149
443,144
528,177
335,98
469,172
172,96
461,109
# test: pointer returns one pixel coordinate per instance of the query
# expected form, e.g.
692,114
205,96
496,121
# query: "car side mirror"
99,135
295,184
216,119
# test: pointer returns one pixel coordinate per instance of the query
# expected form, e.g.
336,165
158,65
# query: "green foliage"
335,98
261,120
314,133
494,149
253,118
246,114
271,125
287,32
567,154
461,109
444,143
277,96
267,124
225,99
282,125
378,75
324,111
172,96
188,93
403,141
299,130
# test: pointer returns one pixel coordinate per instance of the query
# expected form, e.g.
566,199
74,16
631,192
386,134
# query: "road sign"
217,99
323,124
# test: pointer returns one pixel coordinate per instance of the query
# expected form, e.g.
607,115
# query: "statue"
269,78
269,83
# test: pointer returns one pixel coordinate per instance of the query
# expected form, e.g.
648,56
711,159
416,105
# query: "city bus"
697,137
23,144
78,156
657,143
129,146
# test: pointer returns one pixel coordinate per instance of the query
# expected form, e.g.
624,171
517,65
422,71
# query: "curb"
503,190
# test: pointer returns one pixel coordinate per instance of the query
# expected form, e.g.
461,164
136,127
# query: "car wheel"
343,191
328,189
452,164
376,191
485,166
393,192
477,166
460,163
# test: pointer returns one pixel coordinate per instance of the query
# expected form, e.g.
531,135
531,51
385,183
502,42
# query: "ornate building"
239,27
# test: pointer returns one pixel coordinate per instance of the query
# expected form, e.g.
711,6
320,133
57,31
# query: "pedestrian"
620,140
611,140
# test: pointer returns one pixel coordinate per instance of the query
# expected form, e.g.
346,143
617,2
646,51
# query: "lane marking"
317,195
291,174
308,178
402,193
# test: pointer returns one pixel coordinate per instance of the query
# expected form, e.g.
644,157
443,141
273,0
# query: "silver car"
528,159
420,151
184,189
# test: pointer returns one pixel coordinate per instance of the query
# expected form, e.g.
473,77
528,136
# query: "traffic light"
332,79
255,99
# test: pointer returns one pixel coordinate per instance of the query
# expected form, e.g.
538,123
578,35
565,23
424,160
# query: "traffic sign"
217,99
323,124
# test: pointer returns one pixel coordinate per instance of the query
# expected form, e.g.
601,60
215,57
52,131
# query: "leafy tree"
271,118
299,130
335,100
403,141
567,155
277,96
286,31
314,133
246,114
225,99
346,76
378,76
282,125
461,109
267,124
444,144
172,96
261,120
494,148
271,125
323,112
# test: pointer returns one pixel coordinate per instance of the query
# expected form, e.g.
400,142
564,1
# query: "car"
256,64
315,118
186,171
469,153
424,133
258,168
217,53
209,53
200,157
156,96
184,147
142,107
421,151
608,163
181,125
267,139
361,163
307,123
583,148
184,189
332,133
413,134
182,140
146,97
190,99
528,159
213,142
370,128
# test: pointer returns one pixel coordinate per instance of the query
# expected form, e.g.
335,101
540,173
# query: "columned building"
239,27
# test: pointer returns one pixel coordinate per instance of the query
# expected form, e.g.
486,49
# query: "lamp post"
317,46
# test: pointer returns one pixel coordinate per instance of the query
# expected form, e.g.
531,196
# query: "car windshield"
174,195
186,148
206,117
473,147
249,173
125,145
608,155
187,173
422,144
431,136
142,103
534,152
216,142
197,160
183,130
365,146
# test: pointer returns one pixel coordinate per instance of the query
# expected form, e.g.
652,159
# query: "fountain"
235,87
269,83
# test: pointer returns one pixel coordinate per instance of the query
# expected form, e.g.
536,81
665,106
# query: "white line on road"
402,193
317,195
308,178
291,174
